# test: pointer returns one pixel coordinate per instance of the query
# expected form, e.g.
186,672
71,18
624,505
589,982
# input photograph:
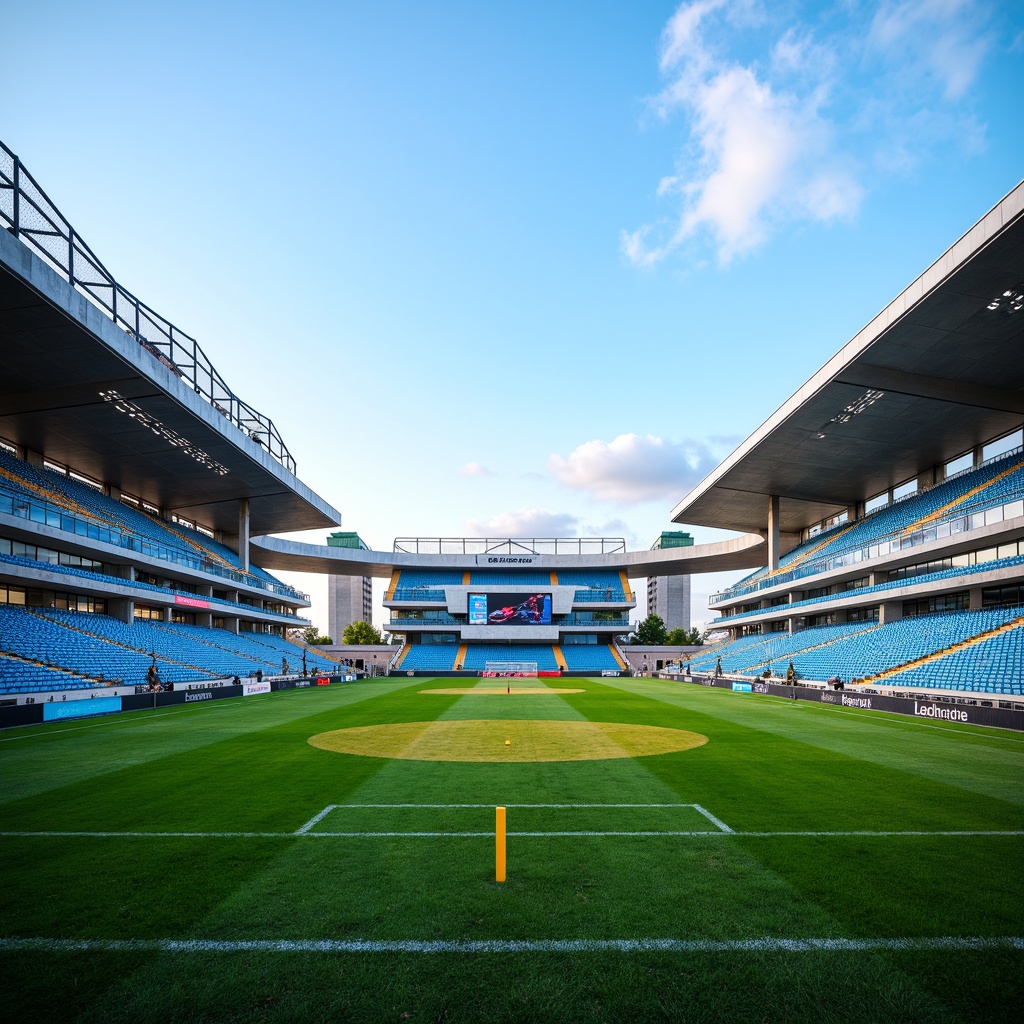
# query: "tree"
360,633
685,638
651,632
314,638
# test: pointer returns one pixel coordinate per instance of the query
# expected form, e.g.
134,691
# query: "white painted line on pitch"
152,835
316,817
714,821
490,835
491,806
952,943
401,835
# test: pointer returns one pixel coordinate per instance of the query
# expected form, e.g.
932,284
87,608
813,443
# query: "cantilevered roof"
78,389
277,554
937,372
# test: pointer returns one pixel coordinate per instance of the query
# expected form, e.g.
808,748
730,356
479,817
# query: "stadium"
146,659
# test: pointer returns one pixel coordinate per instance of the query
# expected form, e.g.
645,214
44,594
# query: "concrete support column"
34,458
979,455
975,597
890,611
243,532
773,532
122,609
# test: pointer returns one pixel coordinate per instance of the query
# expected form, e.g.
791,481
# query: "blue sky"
516,268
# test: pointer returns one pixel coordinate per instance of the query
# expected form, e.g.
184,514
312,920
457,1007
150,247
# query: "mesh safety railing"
28,214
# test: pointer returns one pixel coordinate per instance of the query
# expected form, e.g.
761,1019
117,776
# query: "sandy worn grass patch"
475,740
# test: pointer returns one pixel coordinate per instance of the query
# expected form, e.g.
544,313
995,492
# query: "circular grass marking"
484,740
490,691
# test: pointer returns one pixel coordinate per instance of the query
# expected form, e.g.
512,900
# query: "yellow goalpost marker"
499,844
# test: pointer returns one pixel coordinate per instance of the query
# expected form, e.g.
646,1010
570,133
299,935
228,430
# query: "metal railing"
28,214
963,521
510,546
38,510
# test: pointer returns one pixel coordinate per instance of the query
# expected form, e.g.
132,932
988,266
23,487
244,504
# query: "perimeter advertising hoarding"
504,609
937,711
53,712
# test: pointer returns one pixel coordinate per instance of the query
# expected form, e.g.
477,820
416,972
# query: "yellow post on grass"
499,844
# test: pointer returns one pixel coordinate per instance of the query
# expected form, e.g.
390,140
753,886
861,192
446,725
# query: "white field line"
489,835
303,829
760,945
714,821
306,829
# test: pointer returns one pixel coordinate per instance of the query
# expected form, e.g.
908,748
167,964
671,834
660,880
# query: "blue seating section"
510,578
100,650
783,611
858,650
122,524
992,666
905,514
478,655
88,574
594,585
430,658
412,578
589,658
17,676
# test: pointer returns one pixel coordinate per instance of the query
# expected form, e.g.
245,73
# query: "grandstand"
880,508
890,493
540,608
131,481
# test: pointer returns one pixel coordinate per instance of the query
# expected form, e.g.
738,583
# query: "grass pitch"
806,863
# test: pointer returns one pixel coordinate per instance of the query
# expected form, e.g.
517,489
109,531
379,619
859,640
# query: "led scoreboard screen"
500,609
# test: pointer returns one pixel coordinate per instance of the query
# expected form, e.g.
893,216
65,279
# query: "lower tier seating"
51,649
994,664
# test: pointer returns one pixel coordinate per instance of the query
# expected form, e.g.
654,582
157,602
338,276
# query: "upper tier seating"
953,573
997,482
116,522
593,585
425,584
510,578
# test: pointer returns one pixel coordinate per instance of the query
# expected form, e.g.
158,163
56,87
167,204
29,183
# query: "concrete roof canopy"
937,372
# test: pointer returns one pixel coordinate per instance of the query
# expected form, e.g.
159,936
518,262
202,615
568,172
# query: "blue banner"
53,712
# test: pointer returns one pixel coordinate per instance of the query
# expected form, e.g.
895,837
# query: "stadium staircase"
559,657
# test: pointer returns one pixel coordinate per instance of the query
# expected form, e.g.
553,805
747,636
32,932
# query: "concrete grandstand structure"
890,492
881,507
131,480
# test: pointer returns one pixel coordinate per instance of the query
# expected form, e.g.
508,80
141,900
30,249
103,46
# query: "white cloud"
632,469
474,469
527,522
941,38
783,134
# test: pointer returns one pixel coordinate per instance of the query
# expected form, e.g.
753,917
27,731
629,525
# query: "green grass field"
807,863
